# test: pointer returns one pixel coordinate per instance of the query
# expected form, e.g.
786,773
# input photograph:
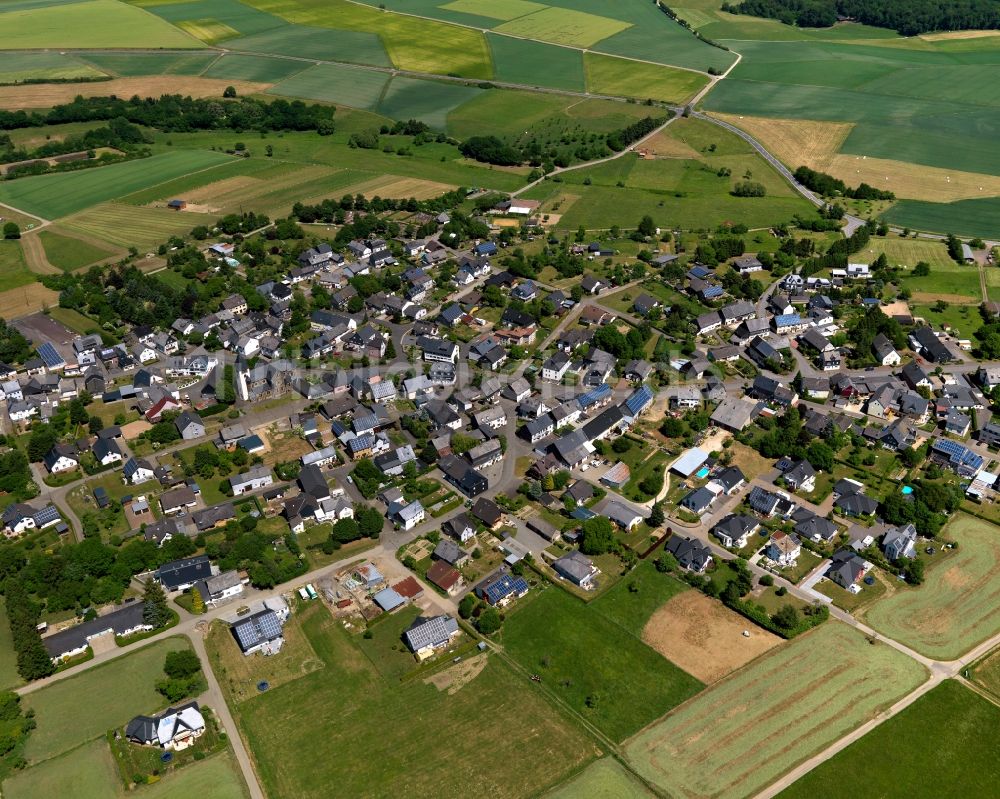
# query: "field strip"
37,95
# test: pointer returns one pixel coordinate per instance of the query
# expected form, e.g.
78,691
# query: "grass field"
910,252
334,83
93,24
346,725
255,68
420,45
624,78
69,253
128,226
956,283
955,608
536,63
301,41
428,101
742,733
946,738
137,64
13,266
564,26
57,195
603,779
563,640
16,67
74,710
963,218
631,610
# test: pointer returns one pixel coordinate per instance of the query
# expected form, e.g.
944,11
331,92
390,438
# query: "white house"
257,478
409,516
783,549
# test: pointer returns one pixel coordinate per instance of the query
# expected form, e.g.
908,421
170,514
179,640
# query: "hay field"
127,225
397,187
26,300
602,779
564,26
624,78
13,266
92,24
962,217
210,31
956,607
704,637
45,95
739,735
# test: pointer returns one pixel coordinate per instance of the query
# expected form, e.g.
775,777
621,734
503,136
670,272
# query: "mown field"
944,744
603,779
564,641
624,78
347,725
94,23
13,266
128,226
739,735
955,608
69,253
910,252
60,194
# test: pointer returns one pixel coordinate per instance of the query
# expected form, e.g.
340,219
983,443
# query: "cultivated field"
45,95
603,779
137,64
624,78
742,733
94,24
77,709
16,67
393,186
259,69
956,607
335,83
910,252
963,218
346,725
71,252
536,63
704,637
428,101
13,266
944,744
560,638
563,26
126,226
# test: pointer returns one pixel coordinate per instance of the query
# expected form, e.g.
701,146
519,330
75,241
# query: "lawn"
955,608
742,733
946,738
94,24
625,78
603,779
217,777
566,643
962,320
346,725
59,194
74,320
70,253
74,710
953,282
844,599
13,266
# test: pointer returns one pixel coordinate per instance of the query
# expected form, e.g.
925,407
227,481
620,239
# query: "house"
517,390
554,367
488,512
426,636
622,515
884,351
591,284
915,376
106,451
900,542
923,341
211,517
734,530
801,477
190,426
690,553
260,631
698,501
451,553
174,729
812,527
178,499
847,568
644,304
220,588
75,640
445,577
747,264
734,414
501,588
464,477
179,575
18,517
460,527
61,458
770,503
729,480
707,322
256,478
856,504
577,568
409,515
783,549
438,349
537,429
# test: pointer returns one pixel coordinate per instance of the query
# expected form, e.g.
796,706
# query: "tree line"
830,186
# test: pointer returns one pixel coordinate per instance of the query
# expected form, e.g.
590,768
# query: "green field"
742,733
127,226
233,14
333,83
604,779
563,26
944,744
428,101
536,63
564,641
910,252
986,673
95,24
17,67
950,280
77,709
70,253
135,64
301,41
624,78
13,266
963,218
420,45
631,610
955,608
59,194
348,726
254,68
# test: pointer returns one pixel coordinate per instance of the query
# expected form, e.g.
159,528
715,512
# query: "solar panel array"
46,515
596,395
957,454
506,586
50,356
256,629
639,400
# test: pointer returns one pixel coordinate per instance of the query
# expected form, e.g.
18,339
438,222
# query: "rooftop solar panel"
50,356
46,515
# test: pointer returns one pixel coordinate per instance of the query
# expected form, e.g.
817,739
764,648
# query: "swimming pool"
702,473
907,490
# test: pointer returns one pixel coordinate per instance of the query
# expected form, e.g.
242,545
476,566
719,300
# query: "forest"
906,17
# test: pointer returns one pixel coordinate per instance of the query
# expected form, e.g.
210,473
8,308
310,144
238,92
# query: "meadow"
631,610
60,194
625,78
90,24
739,735
955,608
602,779
13,266
69,252
910,252
963,218
945,738
953,282
561,639
347,725
79,708
128,226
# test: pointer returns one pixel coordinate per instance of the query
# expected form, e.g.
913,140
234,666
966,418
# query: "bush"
767,579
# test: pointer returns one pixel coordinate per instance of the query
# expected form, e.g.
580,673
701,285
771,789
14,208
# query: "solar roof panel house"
259,632
426,635
50,356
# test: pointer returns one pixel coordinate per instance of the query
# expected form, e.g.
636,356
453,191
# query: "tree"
656,516
820,455
369,521
489,621
787,617
11,231
182,664
230,91
647,227
598,536
197,602
155,610
467,605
